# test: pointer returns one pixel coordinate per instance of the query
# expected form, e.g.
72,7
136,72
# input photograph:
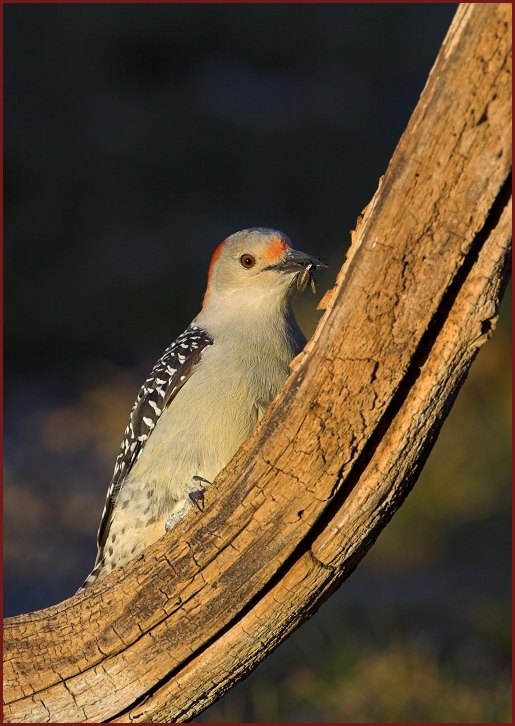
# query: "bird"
206,393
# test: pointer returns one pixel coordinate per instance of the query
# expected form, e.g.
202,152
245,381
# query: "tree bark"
304,499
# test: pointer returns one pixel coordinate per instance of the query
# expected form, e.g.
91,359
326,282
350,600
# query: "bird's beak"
295,261
301,266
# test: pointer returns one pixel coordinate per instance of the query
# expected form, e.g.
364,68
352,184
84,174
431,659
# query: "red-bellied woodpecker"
207,392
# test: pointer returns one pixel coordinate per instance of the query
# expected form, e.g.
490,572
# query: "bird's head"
259,264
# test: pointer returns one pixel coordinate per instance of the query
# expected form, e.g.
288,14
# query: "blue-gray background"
137,137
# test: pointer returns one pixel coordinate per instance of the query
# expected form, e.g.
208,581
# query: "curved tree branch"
304,499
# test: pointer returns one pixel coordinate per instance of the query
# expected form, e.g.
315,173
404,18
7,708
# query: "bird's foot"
197,495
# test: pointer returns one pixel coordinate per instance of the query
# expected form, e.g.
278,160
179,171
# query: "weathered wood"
307,495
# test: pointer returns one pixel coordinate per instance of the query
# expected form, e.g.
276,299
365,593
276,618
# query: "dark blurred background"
136,138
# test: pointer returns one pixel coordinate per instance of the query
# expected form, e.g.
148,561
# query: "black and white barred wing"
169,374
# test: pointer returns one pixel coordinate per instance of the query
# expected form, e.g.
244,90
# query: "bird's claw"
197,497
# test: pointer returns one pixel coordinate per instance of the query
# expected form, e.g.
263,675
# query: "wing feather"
168,376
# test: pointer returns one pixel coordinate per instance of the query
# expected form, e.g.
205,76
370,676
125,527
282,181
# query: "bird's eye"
247,261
